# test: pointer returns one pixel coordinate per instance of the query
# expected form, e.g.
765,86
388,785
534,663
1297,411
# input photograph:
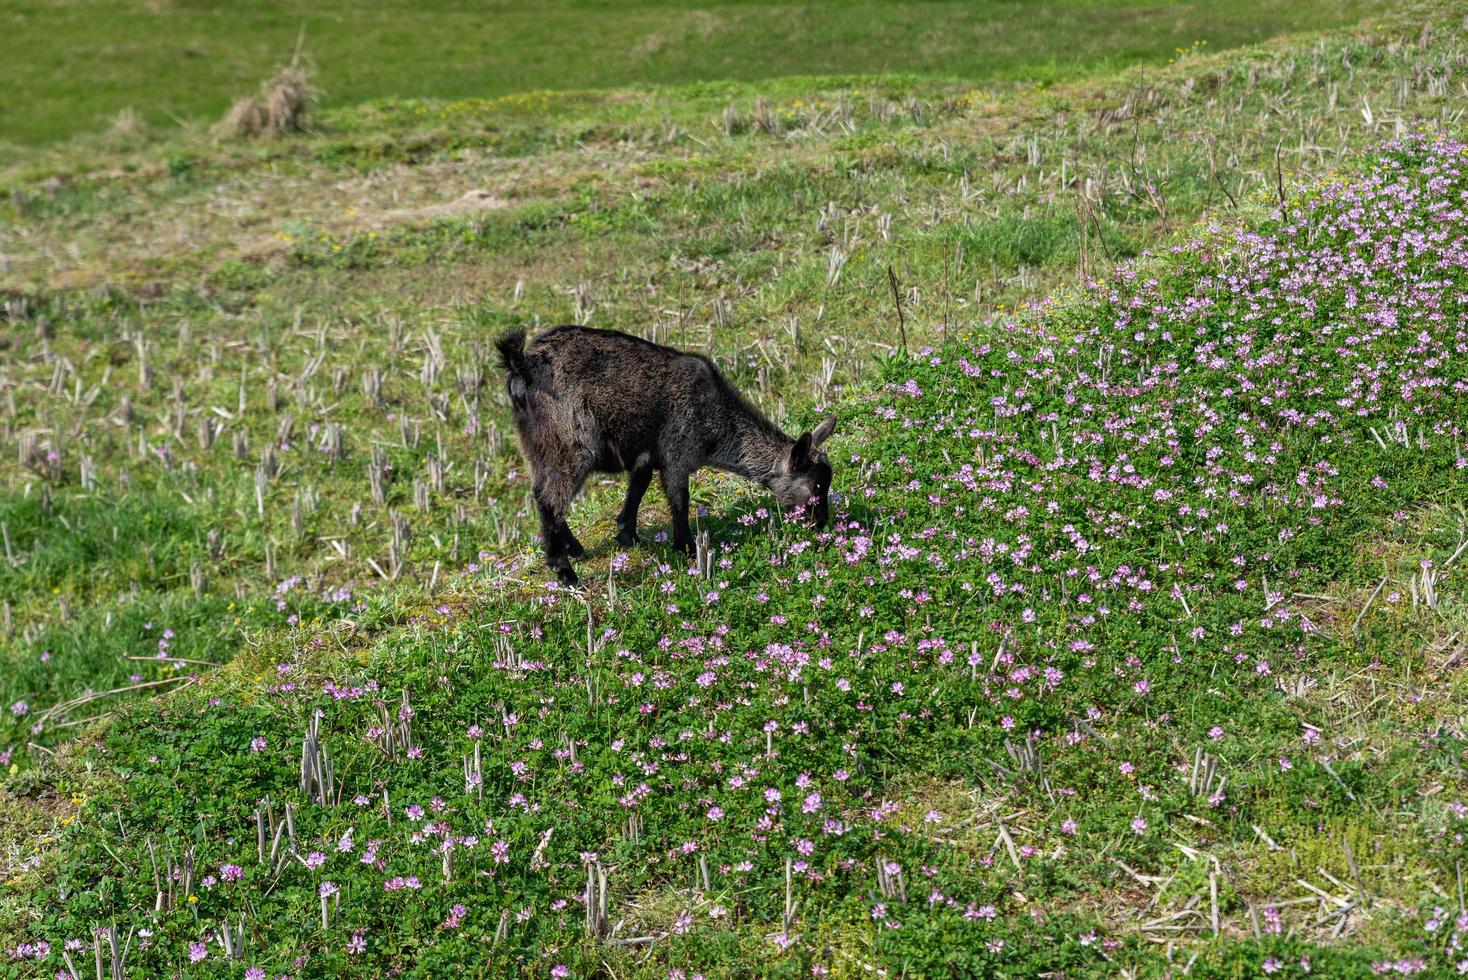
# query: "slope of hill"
245,375
1134,648
1091,660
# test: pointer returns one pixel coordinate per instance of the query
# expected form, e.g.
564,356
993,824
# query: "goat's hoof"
627,538
567,576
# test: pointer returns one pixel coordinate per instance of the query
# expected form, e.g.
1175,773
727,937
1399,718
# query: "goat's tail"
511,346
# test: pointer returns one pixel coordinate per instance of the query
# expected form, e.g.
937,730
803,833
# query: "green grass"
866,666
658,211
86,62
160,282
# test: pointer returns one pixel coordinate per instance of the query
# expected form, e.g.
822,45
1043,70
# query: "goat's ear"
823,431
800,453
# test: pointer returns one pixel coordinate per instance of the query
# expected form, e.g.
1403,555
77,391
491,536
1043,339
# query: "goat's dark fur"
588,400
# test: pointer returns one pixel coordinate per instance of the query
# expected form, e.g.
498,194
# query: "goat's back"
633,390
617,370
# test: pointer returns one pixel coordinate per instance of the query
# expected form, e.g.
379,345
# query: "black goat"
596,400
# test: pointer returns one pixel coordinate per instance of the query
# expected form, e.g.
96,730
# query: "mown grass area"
1078,681
256,448
222,346
79,65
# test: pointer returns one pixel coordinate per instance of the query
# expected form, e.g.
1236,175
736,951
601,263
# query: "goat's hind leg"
553,501
557,554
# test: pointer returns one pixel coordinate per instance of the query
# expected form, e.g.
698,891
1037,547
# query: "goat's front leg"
637,484
675,487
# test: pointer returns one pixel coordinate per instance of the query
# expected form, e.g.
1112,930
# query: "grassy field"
1133,651
165,62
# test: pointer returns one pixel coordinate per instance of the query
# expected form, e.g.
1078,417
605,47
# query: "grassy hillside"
1176,558
161,63
264,363
1091,664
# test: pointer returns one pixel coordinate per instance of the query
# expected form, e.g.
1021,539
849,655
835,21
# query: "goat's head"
802,481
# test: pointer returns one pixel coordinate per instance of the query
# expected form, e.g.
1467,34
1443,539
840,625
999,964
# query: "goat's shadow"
722,525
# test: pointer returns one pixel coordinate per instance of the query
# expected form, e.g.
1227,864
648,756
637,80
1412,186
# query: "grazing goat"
588,400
